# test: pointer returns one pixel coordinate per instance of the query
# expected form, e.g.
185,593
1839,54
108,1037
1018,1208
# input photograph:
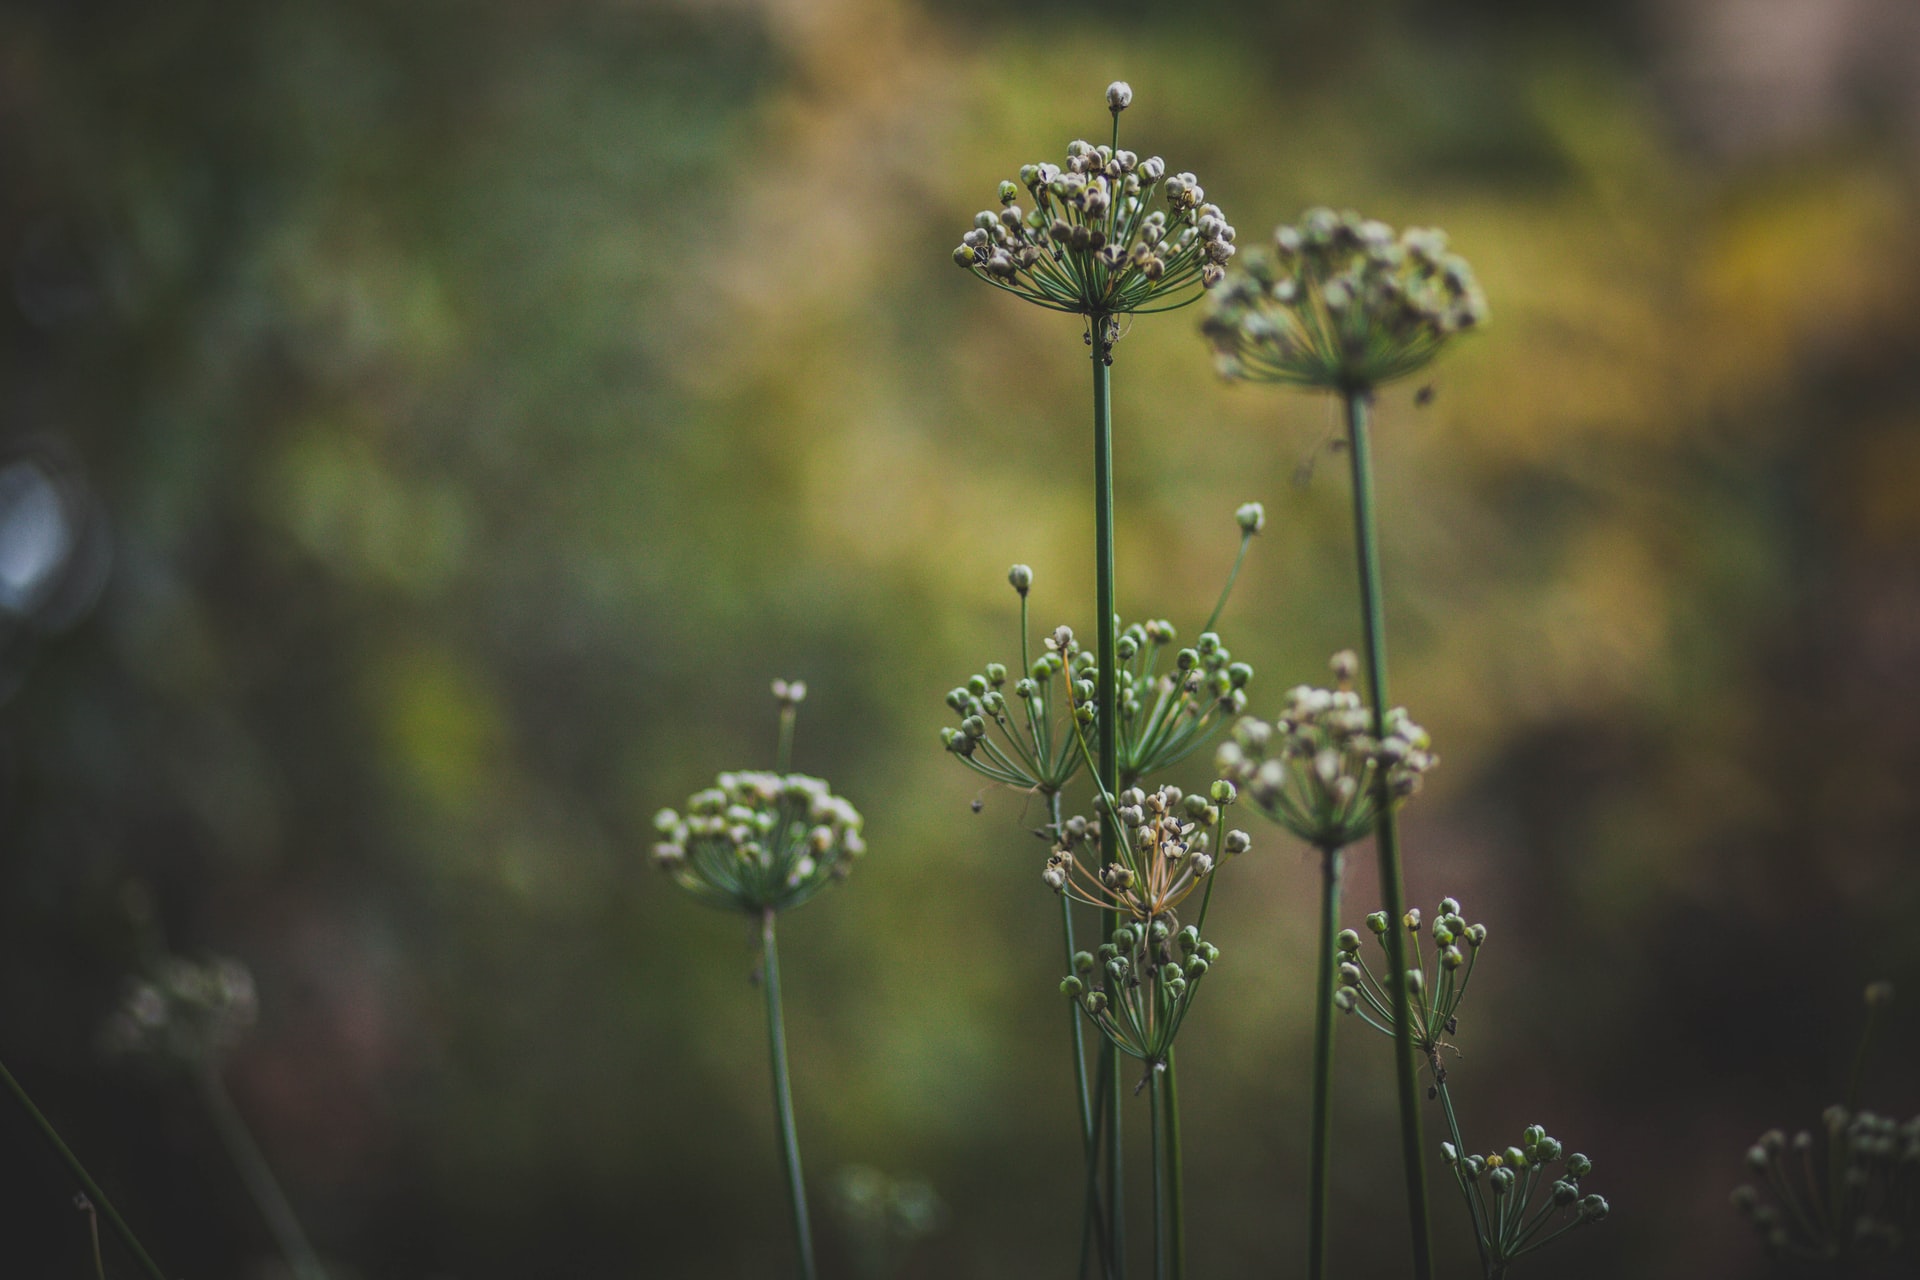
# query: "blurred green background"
464,409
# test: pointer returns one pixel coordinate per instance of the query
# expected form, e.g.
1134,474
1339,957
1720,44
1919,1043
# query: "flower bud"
1071,987
1021,577
1377,922
1348,942
1578,1165
1449,907
1223,792
1119,96
1252,517
1346,665
1237,842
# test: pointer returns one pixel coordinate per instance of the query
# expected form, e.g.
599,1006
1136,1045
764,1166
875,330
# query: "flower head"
1524,1197
1107,233
1434,992
1315,770
1847,1193
187,1011
1138,987
1164,853
759,841
1342,303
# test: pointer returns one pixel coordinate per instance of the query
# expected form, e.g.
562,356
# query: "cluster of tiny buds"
1167,855
1342,302
1138,986
1089,244
1314,768
758,841
191,1012
789,693
1536,1151
1860,1200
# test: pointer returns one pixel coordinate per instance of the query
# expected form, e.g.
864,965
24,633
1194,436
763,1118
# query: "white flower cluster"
759,841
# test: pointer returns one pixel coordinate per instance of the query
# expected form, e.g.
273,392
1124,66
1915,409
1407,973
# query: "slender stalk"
1160,1233
93,1234
1106,694
783,1099
1176,1176
80,1174
260,1183
1459,1155
1090,1233
783,754
1387,834
1320,1138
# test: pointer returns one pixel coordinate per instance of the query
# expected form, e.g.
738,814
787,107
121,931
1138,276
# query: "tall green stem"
1387,834
783,1098
1107,713
81,1175
1320,1140
1090,1230
1160,1234
257,1174
1460,1155
1176,1176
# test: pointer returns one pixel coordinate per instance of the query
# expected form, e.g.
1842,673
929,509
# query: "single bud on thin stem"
1252,517
1119,96
1021,577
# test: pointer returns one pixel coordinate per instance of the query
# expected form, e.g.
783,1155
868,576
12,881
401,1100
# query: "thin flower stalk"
90,1187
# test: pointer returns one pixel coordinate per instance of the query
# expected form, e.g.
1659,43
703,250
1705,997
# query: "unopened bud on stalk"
1119,96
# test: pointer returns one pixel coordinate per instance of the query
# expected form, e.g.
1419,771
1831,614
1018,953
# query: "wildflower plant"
1313,770
763,843
1844,1195
1343,305
1523,1198
190,1015
1108,234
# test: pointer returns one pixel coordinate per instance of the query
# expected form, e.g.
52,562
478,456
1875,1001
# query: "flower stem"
1387,833
783,1098
1106,694
1089,1141
1176,1176
257,1174
1160,1234
1320,1141
1459,1156
80,1174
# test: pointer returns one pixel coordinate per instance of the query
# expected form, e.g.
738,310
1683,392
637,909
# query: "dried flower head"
1433,995
1846,1194
759,842
1315,770
1139,986
1164,853
1093,243
188,1012
1502,1187
1342,303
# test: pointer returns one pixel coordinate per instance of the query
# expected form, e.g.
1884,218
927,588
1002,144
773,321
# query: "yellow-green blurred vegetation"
483,401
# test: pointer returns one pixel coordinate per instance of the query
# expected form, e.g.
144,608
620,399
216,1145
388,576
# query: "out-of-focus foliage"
482,402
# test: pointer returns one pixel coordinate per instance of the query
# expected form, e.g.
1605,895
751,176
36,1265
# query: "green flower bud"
1252,517
1096,1002
1348,942
1195,806
1209,952
1502,1180
1416,982
1593,1209
1124,938
1083,961
996,674
1119,96
1197,967
1476,934
1009,193
1565,1193
1452,957
1378,923
977,686
1515,1158
1223,792
1449,907
1237,842
1238,674
1345,999
1071,987
1579,1166
1189,940
1021,577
